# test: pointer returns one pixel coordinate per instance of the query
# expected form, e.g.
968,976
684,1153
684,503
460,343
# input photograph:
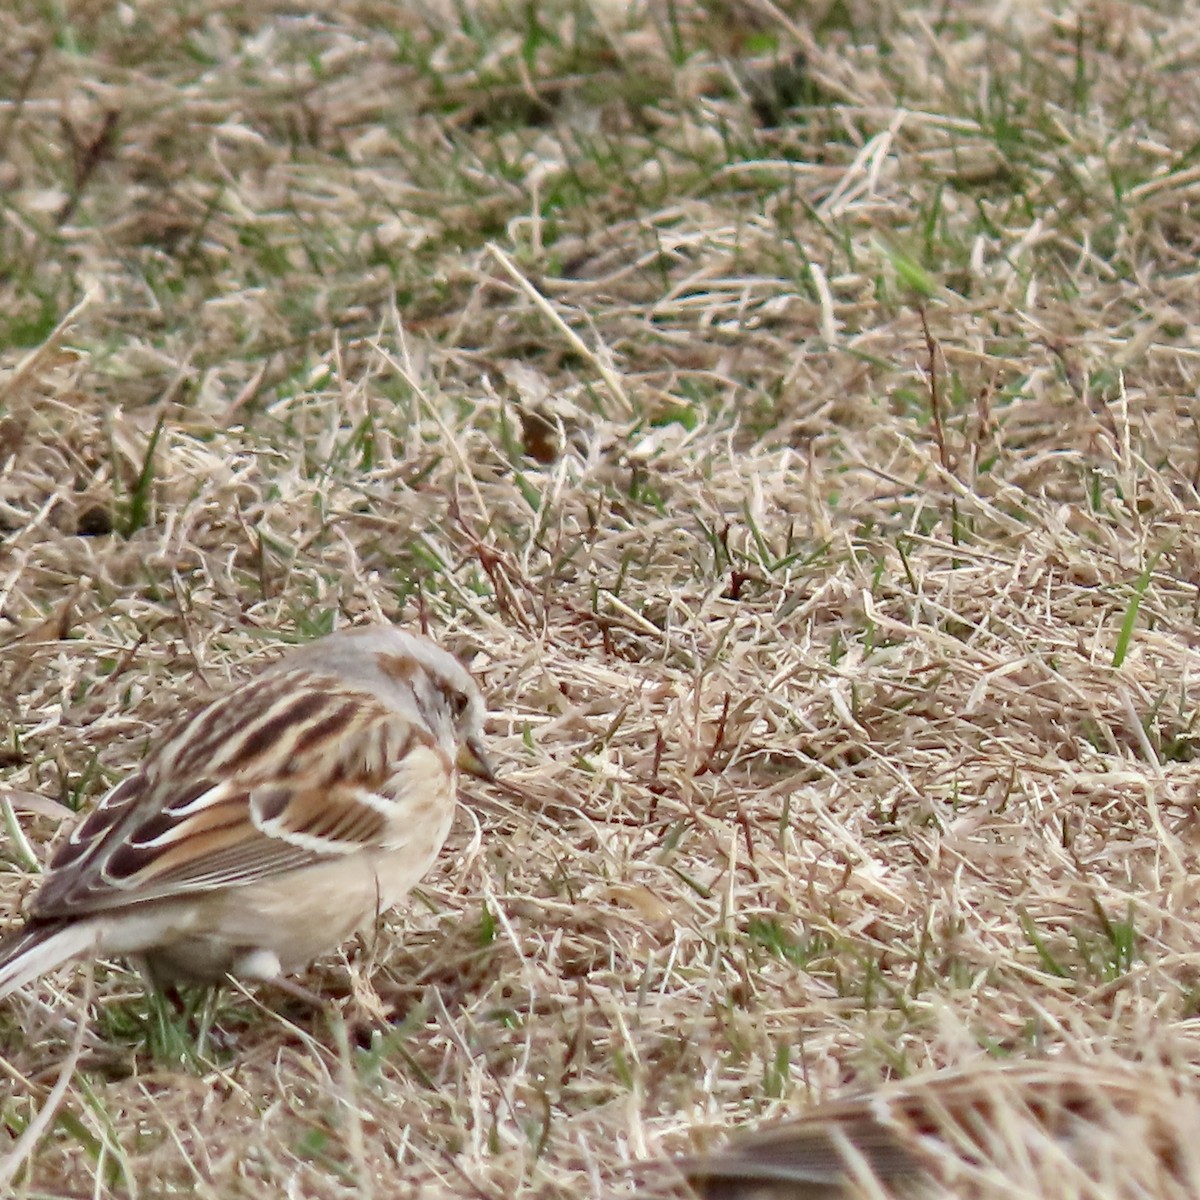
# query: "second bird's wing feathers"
955,1123
809,1153
287,770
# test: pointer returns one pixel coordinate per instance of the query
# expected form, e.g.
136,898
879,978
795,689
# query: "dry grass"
807,460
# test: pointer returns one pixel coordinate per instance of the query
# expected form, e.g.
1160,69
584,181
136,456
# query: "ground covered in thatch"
792,418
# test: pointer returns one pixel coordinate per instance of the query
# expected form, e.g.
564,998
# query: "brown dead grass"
797,622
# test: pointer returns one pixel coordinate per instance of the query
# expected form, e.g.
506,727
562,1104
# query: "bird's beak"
473,760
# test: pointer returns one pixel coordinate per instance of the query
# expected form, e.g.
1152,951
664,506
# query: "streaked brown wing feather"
906,1135
332,819
283,772
804,1158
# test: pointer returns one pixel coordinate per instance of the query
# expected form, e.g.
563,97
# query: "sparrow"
1007,1130
269,824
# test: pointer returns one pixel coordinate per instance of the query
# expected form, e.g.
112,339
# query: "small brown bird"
270,824
1041,1130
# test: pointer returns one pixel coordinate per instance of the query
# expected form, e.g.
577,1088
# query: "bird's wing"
920,1130
803,1159
288,770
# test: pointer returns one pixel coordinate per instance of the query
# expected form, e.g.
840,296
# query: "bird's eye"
459,702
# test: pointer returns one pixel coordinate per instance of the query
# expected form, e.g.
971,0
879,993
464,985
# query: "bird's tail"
39,948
